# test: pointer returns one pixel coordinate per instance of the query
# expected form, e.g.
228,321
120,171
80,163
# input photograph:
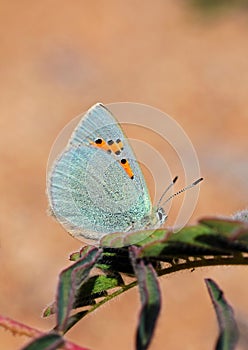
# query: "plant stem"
204,262
186,264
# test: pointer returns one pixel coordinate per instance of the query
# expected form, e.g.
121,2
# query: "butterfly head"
156,218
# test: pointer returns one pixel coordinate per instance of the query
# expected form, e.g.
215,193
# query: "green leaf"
186,242
241,235
231,236
232,229
49,310
79,254
124,239
75,256
99,283
70,281
214,236
115,260
95,287
50,341
228,330
150,299
226,227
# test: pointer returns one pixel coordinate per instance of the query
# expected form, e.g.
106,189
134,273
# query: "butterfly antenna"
181,191
166,190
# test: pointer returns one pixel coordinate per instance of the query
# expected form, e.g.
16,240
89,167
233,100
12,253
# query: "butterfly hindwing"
90,193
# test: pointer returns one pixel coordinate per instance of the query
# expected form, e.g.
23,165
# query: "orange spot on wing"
110,146
114,148
120,144
126,166
103,145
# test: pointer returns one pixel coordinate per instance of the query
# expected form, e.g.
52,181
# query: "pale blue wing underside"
91,195
99,122
89,192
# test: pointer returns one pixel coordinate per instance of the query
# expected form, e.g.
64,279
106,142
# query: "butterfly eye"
161,215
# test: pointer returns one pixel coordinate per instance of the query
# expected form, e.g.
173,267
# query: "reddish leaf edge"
19,328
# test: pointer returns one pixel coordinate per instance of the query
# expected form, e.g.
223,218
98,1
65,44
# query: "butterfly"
96,186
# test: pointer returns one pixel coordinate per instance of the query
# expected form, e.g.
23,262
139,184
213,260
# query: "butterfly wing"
99,122
89,191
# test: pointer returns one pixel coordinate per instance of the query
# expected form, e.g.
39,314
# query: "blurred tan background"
60,57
